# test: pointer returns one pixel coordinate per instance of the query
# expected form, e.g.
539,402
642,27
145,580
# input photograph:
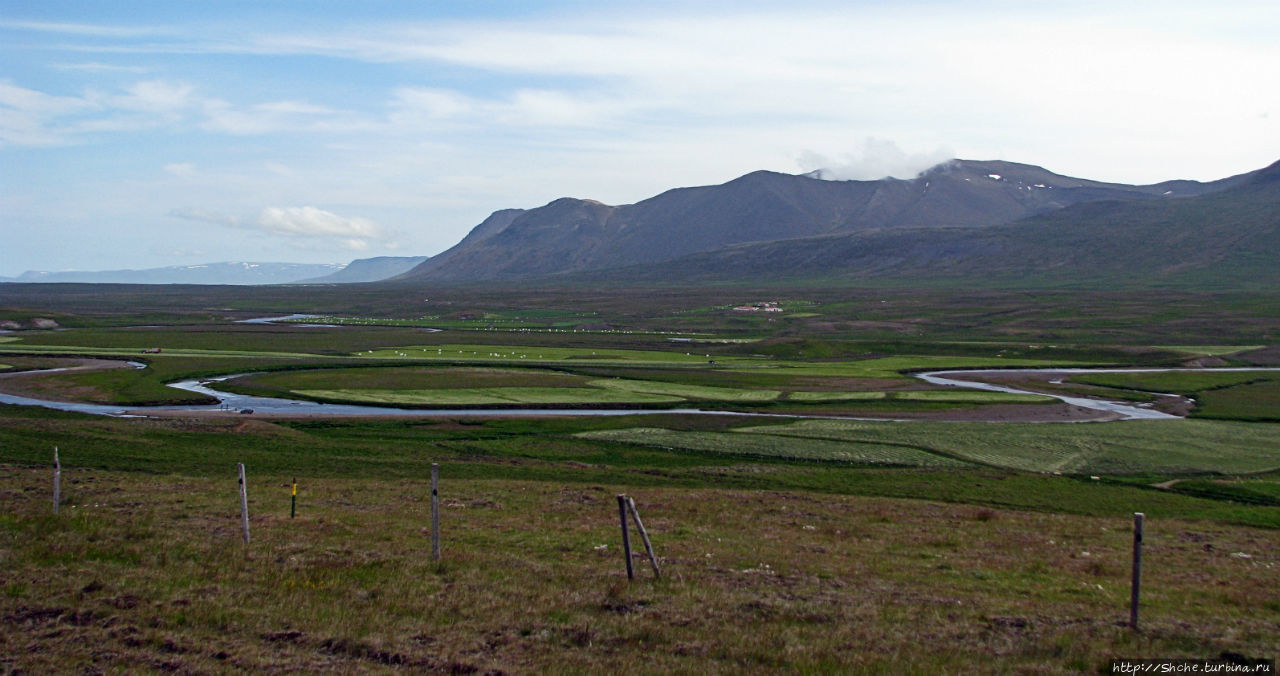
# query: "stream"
255,404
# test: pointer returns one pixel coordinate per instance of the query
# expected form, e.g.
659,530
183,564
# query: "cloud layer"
307,223
421,124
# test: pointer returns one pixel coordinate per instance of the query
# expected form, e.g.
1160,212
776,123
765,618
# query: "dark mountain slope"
1225,239
570,235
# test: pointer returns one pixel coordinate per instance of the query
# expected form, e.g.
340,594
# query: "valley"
782,502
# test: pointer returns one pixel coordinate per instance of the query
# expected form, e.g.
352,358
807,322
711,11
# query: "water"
242,402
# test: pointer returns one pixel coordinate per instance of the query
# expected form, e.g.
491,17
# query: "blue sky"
145,134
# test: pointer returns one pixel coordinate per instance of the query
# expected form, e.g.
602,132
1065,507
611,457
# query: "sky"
139,134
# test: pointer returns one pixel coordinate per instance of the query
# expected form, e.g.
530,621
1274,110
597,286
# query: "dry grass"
147,573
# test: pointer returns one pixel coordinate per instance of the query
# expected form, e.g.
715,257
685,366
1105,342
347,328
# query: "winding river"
267,405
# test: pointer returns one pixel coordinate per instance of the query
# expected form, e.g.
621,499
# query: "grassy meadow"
788,545
149,574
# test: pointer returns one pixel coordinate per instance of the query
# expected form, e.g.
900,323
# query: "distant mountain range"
961,219
236,273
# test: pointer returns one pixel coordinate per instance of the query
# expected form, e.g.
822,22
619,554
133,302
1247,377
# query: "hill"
1224,239
575,235
369,270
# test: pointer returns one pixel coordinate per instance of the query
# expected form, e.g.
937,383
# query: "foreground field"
143,573
787,545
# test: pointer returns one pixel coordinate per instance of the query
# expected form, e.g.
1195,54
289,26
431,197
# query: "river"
240,402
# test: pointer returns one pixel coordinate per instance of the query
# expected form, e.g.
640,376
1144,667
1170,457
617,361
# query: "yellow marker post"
293,500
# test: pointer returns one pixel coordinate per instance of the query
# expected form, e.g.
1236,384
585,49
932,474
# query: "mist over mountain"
575,236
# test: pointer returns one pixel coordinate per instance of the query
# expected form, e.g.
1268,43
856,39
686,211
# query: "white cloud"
203,216
27,116
156,96
180,169
96,67
313,222
276,116
875,158
307,227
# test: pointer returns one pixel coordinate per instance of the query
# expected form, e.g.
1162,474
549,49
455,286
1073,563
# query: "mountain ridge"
570,236
1228,238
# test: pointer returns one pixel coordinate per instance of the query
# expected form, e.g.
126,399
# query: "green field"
770,446
788,545
1232,395
519,353
492,396
1136,447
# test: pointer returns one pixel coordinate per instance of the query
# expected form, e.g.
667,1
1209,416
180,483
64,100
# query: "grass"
1170,447
682,391
769,446
1229,395
1211,350
893,367
1252,401
146,573
538,354
787,547
492,396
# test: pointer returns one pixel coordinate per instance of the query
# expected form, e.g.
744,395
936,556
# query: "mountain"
211,273
1227,239
369,270
574,235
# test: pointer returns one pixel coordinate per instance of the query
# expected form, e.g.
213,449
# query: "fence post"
1138,518
626,537
644,537
435,511
57,481
244,504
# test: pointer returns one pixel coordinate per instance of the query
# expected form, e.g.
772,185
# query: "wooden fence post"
435,511
244,504
626,537
57,481
644,536
1138,518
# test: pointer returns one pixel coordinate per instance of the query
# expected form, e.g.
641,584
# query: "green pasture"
454,385
1134,447
1252,401
1210,350
81,350
917,460
805,395
769,446
1176,382
1228,395
521,353
683,391
490,396
893,367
